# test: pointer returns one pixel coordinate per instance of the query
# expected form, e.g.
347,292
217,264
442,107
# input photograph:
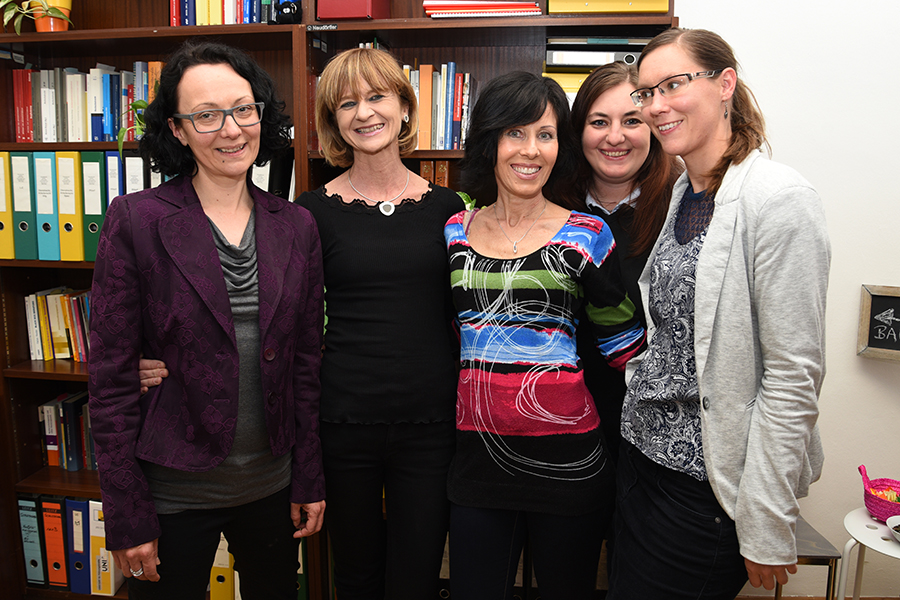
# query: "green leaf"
122,132
8,13
56,13
17,23
467,200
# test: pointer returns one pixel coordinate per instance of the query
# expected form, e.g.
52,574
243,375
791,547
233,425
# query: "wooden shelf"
53,480
54,370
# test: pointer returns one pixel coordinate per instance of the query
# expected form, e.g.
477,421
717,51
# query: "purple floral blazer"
158,289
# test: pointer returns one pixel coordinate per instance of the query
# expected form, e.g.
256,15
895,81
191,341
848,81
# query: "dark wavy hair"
655,177
164,152
512,100
748,128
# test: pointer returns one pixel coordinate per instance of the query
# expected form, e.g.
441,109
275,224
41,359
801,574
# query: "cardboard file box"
606,6
329,10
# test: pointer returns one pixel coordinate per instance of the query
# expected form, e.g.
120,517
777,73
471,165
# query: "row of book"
66,105
64,541
58,321
66,427
449,9
52,204
445,96
221,12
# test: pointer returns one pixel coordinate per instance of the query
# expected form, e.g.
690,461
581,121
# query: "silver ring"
137,573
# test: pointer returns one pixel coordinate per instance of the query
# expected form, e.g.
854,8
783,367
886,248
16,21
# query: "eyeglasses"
669,87
213,119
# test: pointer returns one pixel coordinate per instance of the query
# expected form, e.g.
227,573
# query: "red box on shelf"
327,10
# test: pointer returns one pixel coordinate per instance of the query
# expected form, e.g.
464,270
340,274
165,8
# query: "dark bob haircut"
162,150
512,100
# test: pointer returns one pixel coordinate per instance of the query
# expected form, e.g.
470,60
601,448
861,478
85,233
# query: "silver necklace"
516,243
385,206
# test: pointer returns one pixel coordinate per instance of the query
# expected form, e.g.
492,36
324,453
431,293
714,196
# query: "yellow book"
7,244
221,577
106,577
216,15
71,206
202,8
58,330
606,6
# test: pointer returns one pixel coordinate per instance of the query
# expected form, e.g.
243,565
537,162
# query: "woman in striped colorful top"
530,456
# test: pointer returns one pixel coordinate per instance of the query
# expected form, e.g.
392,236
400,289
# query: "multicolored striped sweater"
528,434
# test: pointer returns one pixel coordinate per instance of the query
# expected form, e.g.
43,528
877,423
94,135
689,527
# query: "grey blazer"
759,344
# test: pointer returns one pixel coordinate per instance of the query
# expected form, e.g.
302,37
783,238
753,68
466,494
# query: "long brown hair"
656,176
748,128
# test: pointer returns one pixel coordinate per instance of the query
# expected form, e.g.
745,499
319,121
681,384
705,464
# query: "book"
589,58
106,577
31,529
93,170
78,545
7,241
76,106
70,205
449,103
425,101
456,124
426,170
74,437
442,173
53,516
58,331
45,199
21,166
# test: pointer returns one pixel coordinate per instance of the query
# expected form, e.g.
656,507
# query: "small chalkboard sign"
879,322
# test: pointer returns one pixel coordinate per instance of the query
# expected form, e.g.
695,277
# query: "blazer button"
706,402
271,398
269,354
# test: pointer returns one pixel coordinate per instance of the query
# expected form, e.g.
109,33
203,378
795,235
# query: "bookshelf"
118,33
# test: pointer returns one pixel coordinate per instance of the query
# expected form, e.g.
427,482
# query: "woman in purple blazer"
223,282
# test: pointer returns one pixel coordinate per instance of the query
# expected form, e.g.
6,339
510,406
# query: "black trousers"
259,534
672,539
405,465
485,545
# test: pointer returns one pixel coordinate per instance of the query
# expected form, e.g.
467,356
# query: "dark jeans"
259,534
406,464
485,545
672,539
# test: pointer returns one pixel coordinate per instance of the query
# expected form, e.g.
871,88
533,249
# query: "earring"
406,118
726,111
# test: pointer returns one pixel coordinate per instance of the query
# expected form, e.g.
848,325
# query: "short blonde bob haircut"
348,70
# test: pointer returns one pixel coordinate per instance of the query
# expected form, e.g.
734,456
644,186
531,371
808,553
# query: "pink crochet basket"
879,508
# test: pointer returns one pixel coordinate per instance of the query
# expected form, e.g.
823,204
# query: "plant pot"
44,23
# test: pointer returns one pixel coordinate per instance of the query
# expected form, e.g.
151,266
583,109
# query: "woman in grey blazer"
719,421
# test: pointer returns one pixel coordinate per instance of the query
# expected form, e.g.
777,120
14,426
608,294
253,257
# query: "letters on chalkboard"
879,322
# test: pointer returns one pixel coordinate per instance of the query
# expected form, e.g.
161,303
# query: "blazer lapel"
274,244
187,238
715,256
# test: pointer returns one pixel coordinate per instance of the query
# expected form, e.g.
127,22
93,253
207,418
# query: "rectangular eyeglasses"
668,87
213,119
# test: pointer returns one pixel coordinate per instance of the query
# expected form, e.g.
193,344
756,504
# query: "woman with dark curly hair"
530,458
223,283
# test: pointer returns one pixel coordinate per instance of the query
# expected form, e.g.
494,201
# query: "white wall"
826,76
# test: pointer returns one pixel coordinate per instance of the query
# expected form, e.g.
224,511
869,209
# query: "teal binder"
46,205
24,218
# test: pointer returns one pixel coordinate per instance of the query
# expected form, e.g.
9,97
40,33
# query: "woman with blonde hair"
388,368
719,420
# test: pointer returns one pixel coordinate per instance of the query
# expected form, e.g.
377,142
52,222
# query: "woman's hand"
139,562
151,373
307,518
766,575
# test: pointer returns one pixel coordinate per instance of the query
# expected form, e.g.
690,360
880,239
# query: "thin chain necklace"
516,243
385,206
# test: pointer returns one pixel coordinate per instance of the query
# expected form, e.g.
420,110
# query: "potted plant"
56,17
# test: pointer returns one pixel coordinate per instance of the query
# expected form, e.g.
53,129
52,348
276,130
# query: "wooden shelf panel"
53,480
53,370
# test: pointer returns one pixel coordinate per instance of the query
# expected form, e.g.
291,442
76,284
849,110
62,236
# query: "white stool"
866,532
